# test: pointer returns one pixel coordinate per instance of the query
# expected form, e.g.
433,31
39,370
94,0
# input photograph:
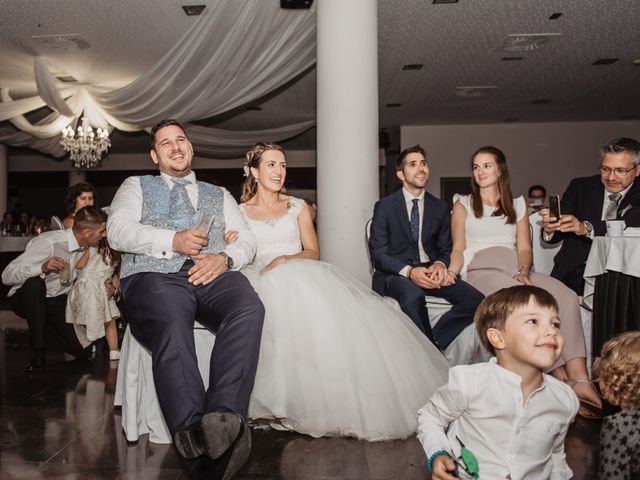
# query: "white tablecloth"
617,254
14,244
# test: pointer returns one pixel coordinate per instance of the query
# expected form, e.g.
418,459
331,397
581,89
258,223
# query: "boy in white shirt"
508,412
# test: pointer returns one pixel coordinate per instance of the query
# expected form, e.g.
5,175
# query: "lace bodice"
278,236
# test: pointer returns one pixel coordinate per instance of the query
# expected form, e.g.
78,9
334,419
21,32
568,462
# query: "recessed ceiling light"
295,4
193,10
555,16
511,59
525,42
541,101
66,78
511,120
412,66
393,105
605,61
254,108
436,2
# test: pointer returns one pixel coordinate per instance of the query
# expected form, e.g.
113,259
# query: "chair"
466,347
136,392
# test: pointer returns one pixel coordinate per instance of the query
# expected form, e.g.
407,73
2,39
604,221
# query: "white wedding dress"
336,359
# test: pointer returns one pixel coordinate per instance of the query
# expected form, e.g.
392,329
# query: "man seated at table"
588,203
38,291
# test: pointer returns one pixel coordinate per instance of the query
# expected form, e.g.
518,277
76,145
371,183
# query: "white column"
3,179
347,97
77,176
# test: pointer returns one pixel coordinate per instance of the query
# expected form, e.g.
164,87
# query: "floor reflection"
61,423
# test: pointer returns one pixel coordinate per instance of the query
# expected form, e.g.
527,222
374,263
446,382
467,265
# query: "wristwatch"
588,227
228,260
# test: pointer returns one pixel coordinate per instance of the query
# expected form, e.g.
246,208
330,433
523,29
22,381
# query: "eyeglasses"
618,172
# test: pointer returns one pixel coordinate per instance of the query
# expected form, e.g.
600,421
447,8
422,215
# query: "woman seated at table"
492,250
78,196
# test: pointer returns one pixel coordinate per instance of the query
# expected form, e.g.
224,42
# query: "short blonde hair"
618,370
494,310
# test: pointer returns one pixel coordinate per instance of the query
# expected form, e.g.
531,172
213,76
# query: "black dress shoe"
190,441
37,362
221,430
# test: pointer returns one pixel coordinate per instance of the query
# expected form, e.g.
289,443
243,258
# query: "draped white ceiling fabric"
235,53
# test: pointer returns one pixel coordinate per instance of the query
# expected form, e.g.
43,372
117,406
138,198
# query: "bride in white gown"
336,359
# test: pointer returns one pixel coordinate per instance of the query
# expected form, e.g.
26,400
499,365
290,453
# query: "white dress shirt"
127,234
482,405
58,243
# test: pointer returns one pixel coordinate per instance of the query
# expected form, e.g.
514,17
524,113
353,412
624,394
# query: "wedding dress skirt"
337,359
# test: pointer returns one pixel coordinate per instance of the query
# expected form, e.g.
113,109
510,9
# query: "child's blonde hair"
618,370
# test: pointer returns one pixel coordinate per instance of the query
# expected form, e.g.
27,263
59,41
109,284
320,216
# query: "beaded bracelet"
434,456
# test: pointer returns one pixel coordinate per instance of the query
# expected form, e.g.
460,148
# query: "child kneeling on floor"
507,412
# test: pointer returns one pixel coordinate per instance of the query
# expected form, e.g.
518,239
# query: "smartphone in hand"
554,206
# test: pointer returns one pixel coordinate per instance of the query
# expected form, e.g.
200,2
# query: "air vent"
511,59
541,101
67,79
474,91
193,10
393,105
437,2
67,43
555,16
525,42
605,61
412,66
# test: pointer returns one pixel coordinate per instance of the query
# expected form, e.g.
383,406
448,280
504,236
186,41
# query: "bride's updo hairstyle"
253,158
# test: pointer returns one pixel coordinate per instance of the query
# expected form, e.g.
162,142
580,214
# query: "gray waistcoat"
155,212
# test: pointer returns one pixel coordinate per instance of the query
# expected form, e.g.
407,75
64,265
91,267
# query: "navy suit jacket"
584,199
390,243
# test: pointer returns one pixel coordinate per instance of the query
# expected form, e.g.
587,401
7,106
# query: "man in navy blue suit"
410,245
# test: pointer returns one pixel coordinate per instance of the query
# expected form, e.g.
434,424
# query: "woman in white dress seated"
492,250
336,359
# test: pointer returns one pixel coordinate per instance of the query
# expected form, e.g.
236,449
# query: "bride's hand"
274,263
230,237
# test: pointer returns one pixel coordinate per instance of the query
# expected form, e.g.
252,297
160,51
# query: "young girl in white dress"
90,304
492,250
336,359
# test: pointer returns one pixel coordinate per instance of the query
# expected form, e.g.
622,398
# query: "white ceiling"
458,44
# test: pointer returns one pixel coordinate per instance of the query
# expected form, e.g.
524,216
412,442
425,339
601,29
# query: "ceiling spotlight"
295,4
393,105
436,2
254,108
636,62
193,10
412,66
555,16
605,61
511,59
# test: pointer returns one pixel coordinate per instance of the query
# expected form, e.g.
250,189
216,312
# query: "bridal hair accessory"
246,170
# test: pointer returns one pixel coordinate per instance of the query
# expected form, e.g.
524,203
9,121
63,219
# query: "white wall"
550,154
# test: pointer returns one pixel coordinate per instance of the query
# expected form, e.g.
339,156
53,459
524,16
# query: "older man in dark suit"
588,203
410,245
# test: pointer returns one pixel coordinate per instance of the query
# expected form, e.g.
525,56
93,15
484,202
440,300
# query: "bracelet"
409,273
523,268
434,456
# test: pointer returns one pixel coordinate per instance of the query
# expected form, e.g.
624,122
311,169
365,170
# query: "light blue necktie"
415,228
181,210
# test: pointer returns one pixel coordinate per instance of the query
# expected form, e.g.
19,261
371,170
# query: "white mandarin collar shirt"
482,404
58,243
127,234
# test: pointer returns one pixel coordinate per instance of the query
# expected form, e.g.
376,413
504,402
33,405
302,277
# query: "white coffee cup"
615,228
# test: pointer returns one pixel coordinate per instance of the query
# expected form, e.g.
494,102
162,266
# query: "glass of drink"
65,275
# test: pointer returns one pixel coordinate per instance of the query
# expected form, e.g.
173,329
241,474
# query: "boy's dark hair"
407,151
494,310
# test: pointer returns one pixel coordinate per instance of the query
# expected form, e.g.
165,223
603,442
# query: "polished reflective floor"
60,424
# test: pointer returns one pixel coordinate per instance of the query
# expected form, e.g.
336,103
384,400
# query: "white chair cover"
136,392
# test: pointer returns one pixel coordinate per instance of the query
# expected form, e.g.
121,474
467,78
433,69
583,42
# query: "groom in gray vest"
173,274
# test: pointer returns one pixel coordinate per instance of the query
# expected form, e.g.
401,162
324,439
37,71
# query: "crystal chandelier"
85,145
